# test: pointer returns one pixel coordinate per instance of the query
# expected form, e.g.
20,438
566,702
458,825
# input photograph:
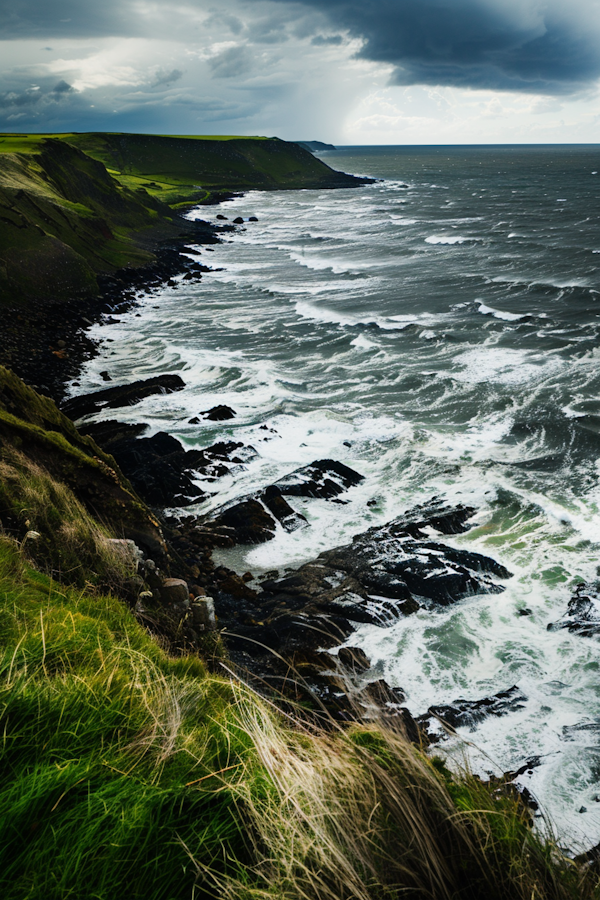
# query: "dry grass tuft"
70,544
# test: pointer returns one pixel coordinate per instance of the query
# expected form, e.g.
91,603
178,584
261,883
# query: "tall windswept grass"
125,773
364,815
71,544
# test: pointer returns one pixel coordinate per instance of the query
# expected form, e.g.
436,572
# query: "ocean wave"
451,239
501,314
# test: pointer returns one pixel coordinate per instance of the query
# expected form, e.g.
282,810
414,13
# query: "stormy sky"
345,71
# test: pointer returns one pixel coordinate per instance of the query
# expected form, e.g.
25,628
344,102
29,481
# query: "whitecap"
450,239
501,364
500,314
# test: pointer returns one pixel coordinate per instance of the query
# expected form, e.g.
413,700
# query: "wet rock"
123,395
582,731
250,522
219,413
289,519
583,612
252,219
238,220
318,606
393,561
160,470
469,713
372,580
324,478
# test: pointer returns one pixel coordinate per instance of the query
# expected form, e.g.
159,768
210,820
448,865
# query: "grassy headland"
78,209
74,206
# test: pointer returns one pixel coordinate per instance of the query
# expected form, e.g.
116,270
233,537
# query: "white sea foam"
500,314
503,365
450,239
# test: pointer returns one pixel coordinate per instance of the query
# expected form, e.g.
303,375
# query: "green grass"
14,142
127,773
101,735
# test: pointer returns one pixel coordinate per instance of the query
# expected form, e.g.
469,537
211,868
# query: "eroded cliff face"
52,476
63,221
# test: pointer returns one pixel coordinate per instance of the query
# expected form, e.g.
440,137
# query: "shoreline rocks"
122,395
583,612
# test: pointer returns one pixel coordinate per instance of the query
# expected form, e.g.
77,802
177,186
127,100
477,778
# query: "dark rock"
110,432
381,694
219,413
283,512
250,522
583,612
238,220
324,478
316,480
159,468
319,604
124,395
363,581
252,219
174,591
219,216
391,561
525,611
105,376
468,713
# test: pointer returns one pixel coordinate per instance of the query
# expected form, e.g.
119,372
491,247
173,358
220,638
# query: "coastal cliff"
86,217
147,749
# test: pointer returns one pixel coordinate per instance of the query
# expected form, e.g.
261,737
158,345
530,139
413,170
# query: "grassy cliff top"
174,168
179,169
16,142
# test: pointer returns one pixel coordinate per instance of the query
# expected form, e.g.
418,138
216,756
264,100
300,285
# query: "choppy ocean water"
438,331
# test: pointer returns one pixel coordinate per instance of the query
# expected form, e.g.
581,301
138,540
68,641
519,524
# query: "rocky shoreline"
284,631
46,344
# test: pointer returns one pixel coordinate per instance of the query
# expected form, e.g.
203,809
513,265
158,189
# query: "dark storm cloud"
550,47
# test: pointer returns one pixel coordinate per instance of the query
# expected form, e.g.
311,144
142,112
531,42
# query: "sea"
439,332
